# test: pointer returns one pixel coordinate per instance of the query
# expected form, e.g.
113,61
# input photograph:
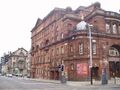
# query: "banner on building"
82,69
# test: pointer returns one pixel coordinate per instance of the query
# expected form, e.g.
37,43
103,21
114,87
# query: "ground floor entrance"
54,75
114,68
95,73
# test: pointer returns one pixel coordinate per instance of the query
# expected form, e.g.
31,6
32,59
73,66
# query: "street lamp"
90,47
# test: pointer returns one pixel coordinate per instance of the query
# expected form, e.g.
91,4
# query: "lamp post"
90,47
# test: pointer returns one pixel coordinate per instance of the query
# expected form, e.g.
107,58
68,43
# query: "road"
14,83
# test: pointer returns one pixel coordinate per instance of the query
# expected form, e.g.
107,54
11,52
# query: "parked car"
19,75
28,76
9,75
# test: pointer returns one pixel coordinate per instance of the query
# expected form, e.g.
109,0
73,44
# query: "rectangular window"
62,35
42,60
48,59
71,48
57,52
62,50
38,59
81,48
94,48
52,39
57,37
45,58
52,52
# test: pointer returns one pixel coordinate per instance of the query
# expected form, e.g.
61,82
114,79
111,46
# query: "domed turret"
68,9
97,4
81,25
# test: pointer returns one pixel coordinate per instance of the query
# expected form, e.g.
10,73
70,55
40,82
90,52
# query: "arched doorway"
114,61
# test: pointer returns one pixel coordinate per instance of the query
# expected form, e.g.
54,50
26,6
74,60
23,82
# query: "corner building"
62,37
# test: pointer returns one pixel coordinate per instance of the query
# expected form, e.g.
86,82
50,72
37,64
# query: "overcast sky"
18,17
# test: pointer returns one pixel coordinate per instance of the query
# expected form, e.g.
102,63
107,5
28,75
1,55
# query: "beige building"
18,62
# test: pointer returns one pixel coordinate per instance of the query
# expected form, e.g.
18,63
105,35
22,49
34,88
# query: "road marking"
45,89
74,89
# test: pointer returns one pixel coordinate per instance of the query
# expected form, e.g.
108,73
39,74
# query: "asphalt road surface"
7,83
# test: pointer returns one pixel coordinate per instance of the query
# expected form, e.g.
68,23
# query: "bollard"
63,80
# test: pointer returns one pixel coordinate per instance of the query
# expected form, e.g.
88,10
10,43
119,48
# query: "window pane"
119,29
94,48
81,48
57,51
71,48
62,35
62,49
114,28
107,28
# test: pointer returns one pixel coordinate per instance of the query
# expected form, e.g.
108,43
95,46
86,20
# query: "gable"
21,52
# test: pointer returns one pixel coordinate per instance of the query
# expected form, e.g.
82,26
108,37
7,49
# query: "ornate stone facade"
56,40
18,62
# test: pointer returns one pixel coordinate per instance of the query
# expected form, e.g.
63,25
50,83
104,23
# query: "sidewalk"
111,83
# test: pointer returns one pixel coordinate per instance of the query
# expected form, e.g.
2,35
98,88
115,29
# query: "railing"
114,14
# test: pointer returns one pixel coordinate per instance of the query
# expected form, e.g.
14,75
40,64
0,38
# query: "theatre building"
63,38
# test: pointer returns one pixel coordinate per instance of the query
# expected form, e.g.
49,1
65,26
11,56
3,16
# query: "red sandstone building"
62,37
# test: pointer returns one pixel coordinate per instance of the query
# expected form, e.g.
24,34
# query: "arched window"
72,66
107,28
21,54
113,52
69,26
119,28
114,27
62,50
47,42
21,64
62,35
